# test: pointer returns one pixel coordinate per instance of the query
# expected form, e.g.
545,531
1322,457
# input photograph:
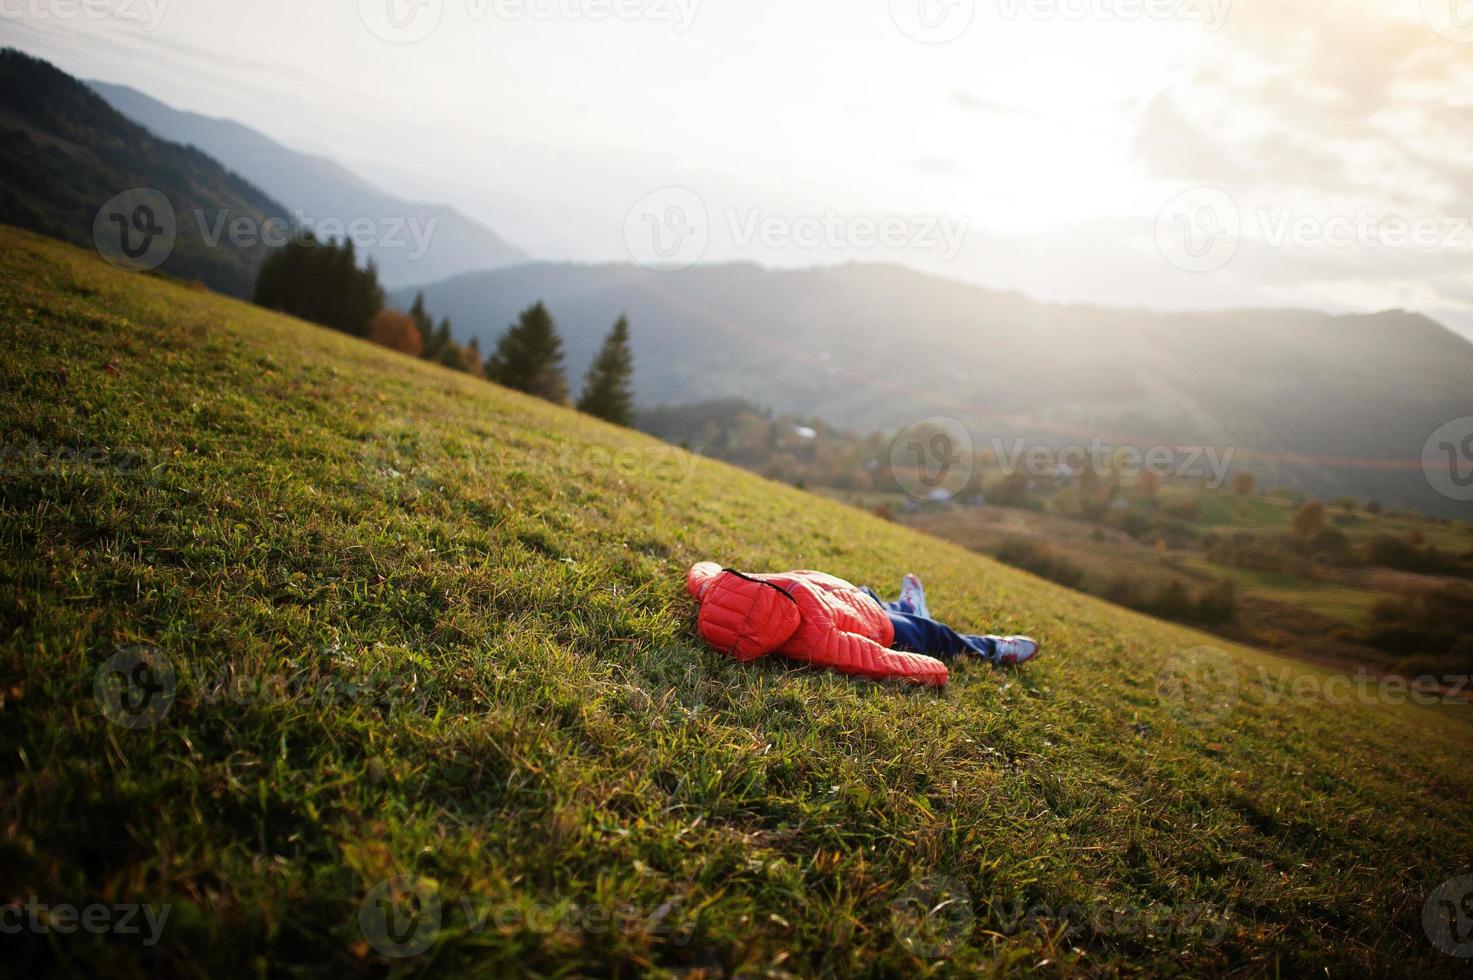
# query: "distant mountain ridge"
65,154
1339,405
322,189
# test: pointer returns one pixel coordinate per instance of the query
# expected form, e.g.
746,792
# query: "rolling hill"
321,189
367,667
65,155
1337,405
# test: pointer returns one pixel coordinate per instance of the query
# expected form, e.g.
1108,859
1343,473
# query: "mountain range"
65,155
320,190
1337,405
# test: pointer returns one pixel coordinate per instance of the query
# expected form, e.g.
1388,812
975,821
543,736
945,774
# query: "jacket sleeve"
746,617
850,653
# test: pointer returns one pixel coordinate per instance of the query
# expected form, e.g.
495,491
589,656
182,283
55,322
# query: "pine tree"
426,325
366,297
452,355
321,282
441,347
608,389
529,357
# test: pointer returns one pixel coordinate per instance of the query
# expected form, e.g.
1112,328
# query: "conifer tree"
321,282
608,389
443,346
455,356
529,357
426,325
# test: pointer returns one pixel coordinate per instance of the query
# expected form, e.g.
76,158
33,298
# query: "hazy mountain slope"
323,189
65,153
402,622
882,346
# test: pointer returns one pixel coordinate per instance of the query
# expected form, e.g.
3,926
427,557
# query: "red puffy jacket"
804,615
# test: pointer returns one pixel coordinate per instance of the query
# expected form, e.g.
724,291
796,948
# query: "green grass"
1223,510
1343,602
1229,513
423,626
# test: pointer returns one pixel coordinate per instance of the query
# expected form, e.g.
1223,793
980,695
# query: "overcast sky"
1166,153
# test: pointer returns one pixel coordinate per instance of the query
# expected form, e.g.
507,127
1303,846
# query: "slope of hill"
409,634
884,346
65,154
323,189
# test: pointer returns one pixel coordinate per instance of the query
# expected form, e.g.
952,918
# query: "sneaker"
914,596
1010,650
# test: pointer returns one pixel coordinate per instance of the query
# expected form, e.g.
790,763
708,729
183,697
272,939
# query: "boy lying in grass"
826,621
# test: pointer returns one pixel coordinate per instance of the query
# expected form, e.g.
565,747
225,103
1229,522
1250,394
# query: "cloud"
1175,147
977,103
939,166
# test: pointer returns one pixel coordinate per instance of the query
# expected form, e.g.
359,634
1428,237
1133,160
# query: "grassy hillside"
421,626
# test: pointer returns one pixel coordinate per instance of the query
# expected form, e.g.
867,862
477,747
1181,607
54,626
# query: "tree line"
321,281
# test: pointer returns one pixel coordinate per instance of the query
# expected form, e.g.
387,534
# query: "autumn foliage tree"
396,331
1243,483
1309,519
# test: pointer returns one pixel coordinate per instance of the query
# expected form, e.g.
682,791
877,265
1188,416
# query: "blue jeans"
917,634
